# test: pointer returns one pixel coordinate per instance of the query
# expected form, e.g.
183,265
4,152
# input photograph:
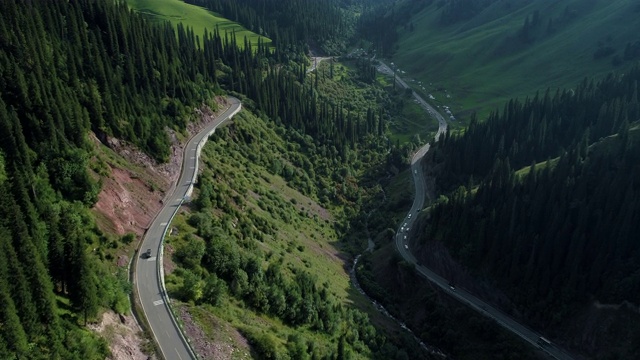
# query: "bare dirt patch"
123,335
126,203
223,342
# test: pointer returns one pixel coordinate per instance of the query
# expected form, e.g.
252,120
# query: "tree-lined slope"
561,236
71,69
68,68
195,17
293,25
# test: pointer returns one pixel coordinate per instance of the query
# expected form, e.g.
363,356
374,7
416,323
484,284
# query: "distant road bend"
149,274
402,244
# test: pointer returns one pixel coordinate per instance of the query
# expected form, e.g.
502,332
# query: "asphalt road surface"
149,277
442,123
315,61
402,243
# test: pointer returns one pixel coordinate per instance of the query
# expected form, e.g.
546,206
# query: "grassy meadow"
481,63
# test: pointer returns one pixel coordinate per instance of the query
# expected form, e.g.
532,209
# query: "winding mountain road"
149,273
402,244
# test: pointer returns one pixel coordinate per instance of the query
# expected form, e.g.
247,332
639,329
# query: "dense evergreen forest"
62,74
68,68
293,25
380,21
563,230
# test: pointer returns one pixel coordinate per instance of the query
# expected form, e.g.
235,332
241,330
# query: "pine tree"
13,333
83,287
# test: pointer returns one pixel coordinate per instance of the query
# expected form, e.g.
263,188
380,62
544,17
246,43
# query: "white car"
406,246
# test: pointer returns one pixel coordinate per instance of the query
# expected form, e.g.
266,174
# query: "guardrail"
160,268
199,150
165,296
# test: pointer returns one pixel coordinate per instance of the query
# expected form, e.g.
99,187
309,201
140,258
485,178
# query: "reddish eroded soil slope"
132,193
126,204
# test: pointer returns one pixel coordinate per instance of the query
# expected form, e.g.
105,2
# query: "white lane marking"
158,302
153,258
177,353
193,157
163,224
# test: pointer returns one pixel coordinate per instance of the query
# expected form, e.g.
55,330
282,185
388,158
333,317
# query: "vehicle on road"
147,254
543,341
406,246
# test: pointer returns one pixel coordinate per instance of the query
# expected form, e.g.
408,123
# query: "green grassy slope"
265,215
198,18
482,62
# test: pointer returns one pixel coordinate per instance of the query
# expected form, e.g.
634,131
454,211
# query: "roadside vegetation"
261,251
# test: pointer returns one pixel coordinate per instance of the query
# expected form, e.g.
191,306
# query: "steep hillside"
258,252
63,78
77,77
485,54
559,240
195,17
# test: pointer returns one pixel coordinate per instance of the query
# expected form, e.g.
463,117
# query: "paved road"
402,243
442,123
315,61
149,275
